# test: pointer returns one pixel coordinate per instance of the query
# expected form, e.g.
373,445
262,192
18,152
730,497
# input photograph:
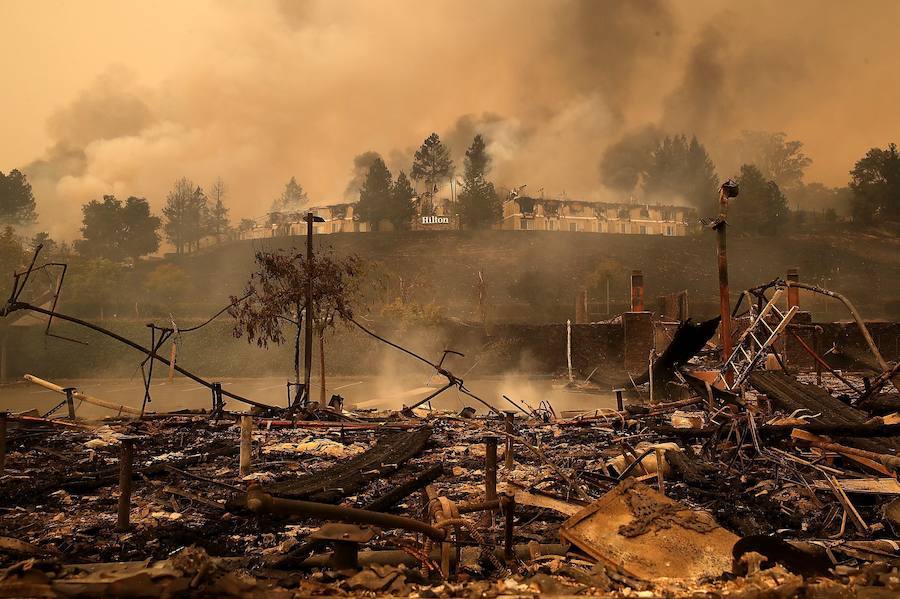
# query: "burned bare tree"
276,296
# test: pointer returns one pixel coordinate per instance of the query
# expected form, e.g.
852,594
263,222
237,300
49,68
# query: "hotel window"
622,228
524,224
670,230
643,230
573,226
553,224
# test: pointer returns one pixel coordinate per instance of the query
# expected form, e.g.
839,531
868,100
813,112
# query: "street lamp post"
308,309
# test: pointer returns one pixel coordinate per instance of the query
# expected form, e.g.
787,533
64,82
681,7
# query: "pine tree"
186,213
479,205
432,164
198,217
375,195
16,199
401,210
292,199
218,223
761,208
682,170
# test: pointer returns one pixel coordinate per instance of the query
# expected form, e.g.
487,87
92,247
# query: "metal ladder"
750,349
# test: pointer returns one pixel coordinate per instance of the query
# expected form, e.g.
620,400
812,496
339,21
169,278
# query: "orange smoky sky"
125,97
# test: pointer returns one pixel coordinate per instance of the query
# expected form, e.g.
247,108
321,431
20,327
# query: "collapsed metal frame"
14,304
889,373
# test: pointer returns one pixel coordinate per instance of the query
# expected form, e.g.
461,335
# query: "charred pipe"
263,503
397,557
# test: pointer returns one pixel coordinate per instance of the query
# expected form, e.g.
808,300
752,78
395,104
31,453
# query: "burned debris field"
581,298
771,472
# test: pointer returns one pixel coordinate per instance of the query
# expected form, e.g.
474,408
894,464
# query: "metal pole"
510,416
509,507
246,437
70,401
490,475
307,342
660,464
818,350
607,295
126,459
724,299
261,502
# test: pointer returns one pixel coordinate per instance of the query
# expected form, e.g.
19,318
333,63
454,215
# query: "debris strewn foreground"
683,498
721,472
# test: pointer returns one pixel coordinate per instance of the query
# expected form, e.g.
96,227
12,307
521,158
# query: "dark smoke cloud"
361,165
283,88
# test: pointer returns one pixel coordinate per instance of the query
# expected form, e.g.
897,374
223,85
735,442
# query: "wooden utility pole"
724,298
307,344
728,190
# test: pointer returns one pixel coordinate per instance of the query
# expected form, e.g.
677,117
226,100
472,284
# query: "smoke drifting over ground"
268,90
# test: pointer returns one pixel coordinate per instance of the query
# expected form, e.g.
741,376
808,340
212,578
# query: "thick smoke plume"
270,90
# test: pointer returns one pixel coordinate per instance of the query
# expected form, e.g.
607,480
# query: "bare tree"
276,294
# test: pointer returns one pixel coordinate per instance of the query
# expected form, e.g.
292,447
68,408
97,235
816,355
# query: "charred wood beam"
345,478
403,490
880,405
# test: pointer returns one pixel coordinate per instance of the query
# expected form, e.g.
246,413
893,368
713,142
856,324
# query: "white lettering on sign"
435,220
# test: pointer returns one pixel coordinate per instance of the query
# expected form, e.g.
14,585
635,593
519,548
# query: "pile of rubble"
711,477
668,499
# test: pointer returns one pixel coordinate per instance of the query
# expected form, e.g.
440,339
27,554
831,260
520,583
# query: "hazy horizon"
124,98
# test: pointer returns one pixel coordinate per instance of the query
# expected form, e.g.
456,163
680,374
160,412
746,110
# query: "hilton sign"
435,220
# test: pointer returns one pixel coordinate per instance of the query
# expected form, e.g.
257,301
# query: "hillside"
533,276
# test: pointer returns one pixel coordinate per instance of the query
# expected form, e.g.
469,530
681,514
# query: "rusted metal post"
510,417
660,464
3,416
218,406
818,350
70,401
246,438
724,298
260,502
620,403
126,463
509,510
490,475
637,291
793,293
